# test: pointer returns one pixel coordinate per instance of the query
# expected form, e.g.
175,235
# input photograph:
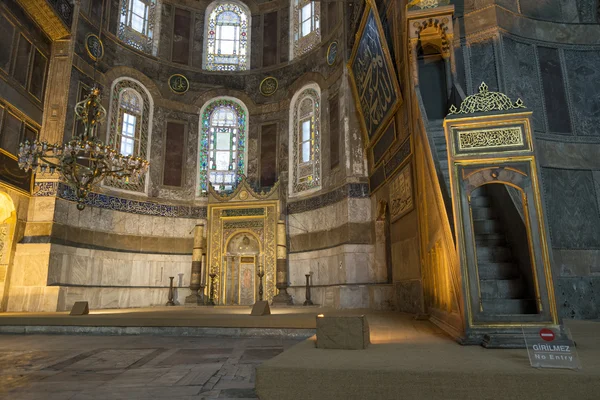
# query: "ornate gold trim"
485,101
243,188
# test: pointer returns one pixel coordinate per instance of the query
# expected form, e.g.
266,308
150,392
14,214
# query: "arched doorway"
243,256
8,220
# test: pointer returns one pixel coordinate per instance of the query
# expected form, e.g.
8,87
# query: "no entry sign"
551,348
547,334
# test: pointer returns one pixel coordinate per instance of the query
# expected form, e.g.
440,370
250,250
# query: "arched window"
130,112
222,150
138,24
129,129
305,21
227,37
305,140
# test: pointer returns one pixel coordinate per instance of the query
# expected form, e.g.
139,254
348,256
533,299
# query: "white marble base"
345,264
375,297
115,297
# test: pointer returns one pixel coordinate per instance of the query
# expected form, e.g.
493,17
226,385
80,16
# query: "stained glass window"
137,23
222,145
306,33
130,118
305,140
227,37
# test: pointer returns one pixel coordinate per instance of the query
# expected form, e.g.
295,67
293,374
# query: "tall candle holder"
213,274
308,301
171,301
260,274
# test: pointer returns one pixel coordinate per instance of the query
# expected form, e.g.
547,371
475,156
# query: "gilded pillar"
198,258
282,277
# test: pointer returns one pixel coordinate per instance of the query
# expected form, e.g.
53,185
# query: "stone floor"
131,367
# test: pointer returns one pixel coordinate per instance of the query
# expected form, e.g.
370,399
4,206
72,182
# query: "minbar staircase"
502,285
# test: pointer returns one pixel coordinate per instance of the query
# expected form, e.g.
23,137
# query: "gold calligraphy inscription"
401,199
375,85
487,139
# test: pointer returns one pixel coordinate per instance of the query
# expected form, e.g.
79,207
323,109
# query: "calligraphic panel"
401,198
374,83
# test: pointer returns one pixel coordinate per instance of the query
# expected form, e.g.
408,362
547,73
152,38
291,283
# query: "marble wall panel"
543,9
375,297
336,265
409,296
521,77
588,10
76,266
100,298
578,297
572,208
30,265
583,74
42,209
405,259
596,175
571,263
483,64
33,298
354,296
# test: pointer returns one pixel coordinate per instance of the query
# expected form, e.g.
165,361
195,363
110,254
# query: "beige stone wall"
14,210
28,290
345,264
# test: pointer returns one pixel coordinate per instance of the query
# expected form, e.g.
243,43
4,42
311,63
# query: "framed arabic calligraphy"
178,84
94,47
374,83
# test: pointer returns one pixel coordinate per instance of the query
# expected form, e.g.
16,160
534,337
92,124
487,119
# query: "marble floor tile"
40,367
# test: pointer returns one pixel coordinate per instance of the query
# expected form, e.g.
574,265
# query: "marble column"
197,296
282,277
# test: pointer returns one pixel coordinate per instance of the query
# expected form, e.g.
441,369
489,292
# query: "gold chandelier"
85,160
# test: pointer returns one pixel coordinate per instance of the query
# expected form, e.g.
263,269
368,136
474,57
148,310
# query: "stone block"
80,308
261,308
342,332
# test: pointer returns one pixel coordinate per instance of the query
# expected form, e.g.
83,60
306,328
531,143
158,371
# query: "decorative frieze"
351,190
487,139
114,203
401,198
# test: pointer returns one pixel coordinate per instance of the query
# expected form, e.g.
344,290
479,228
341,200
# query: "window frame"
145,41
144,129
242,40
298,184
301,44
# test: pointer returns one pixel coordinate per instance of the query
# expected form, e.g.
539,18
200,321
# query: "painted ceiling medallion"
332,52
94,47
268,86
178,84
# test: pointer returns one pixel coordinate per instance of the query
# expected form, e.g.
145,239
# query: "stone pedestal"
347,332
